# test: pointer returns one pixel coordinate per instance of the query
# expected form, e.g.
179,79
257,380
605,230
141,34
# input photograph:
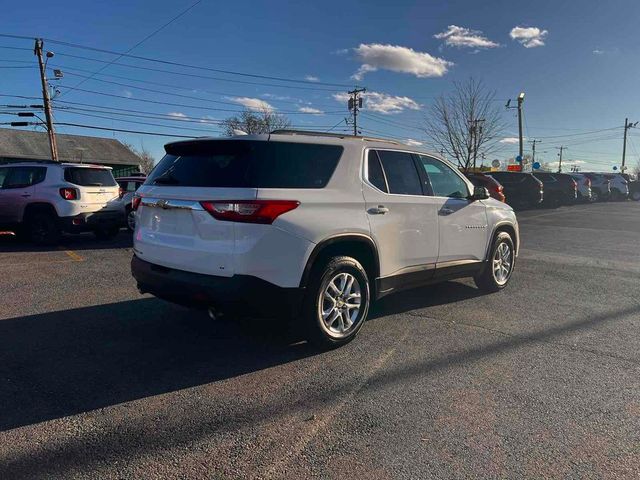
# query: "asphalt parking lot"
541,380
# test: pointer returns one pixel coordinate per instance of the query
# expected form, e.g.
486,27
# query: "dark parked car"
522,190
496,190
559,188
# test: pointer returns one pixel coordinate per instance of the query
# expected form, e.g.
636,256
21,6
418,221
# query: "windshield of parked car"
89,177
249,164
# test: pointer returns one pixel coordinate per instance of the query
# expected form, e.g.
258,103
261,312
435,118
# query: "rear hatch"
96,186
199,206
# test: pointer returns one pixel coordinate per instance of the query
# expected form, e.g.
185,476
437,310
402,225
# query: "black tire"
43,228
316,330
595,196
486,280
106,233
130,224
635,196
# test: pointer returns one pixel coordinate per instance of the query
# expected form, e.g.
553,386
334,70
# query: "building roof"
71,148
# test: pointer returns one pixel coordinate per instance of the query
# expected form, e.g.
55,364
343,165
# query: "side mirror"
479,193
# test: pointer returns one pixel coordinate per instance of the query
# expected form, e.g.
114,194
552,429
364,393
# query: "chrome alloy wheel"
502,263
339,305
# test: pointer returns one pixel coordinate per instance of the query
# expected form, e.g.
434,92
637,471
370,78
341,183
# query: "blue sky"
580,72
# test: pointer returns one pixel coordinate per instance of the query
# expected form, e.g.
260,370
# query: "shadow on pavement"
423,297
83,241
67,362
107,378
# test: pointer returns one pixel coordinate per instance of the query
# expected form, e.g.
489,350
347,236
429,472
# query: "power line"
95,127
150,82
141,42
177,64
169,93
157,102
194,75
168,118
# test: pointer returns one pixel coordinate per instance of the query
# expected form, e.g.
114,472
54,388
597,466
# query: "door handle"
25,195
379,210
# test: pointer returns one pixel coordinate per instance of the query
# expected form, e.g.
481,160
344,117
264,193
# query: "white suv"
312,225
45,198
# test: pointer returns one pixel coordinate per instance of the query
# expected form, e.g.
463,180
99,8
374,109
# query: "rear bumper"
85,222
240,293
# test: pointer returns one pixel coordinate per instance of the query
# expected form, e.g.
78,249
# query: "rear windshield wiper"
94,184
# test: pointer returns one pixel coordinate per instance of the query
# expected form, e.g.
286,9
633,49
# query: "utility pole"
355,104
46,100
533,152
520,138
475,128
520,100
627,126
561,148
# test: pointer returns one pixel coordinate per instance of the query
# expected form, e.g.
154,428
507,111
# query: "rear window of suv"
248,164
89,177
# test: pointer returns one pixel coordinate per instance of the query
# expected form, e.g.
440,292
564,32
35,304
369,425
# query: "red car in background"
495,188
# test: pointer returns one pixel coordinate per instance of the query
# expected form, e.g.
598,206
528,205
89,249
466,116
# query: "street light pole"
46,100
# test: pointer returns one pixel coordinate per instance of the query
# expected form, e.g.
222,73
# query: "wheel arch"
507,228
359,246
38,207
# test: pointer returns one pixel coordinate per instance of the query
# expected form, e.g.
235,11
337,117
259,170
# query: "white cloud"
511,140
253,103
412,142
597,51
382,102
176,114
529,37
310,110
128,93
376,56
311,78
455,36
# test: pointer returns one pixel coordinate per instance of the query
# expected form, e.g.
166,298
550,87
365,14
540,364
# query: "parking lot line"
74,256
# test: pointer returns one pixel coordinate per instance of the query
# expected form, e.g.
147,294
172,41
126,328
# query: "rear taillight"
249,211
575,185
587,182
135,202
69,193
121,192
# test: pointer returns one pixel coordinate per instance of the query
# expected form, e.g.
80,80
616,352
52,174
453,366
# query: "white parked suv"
312,225
45,198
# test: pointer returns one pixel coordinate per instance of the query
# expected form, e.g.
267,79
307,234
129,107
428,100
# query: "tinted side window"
375,175
444,181
19,177
401,172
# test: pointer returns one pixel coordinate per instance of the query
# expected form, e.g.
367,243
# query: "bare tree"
147,162
465,122
255,122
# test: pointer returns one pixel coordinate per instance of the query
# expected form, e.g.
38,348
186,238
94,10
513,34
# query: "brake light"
135,202
587,182
69,193
575,185
249,211
121,192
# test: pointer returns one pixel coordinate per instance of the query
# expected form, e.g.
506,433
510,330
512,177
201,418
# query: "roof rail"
332,135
